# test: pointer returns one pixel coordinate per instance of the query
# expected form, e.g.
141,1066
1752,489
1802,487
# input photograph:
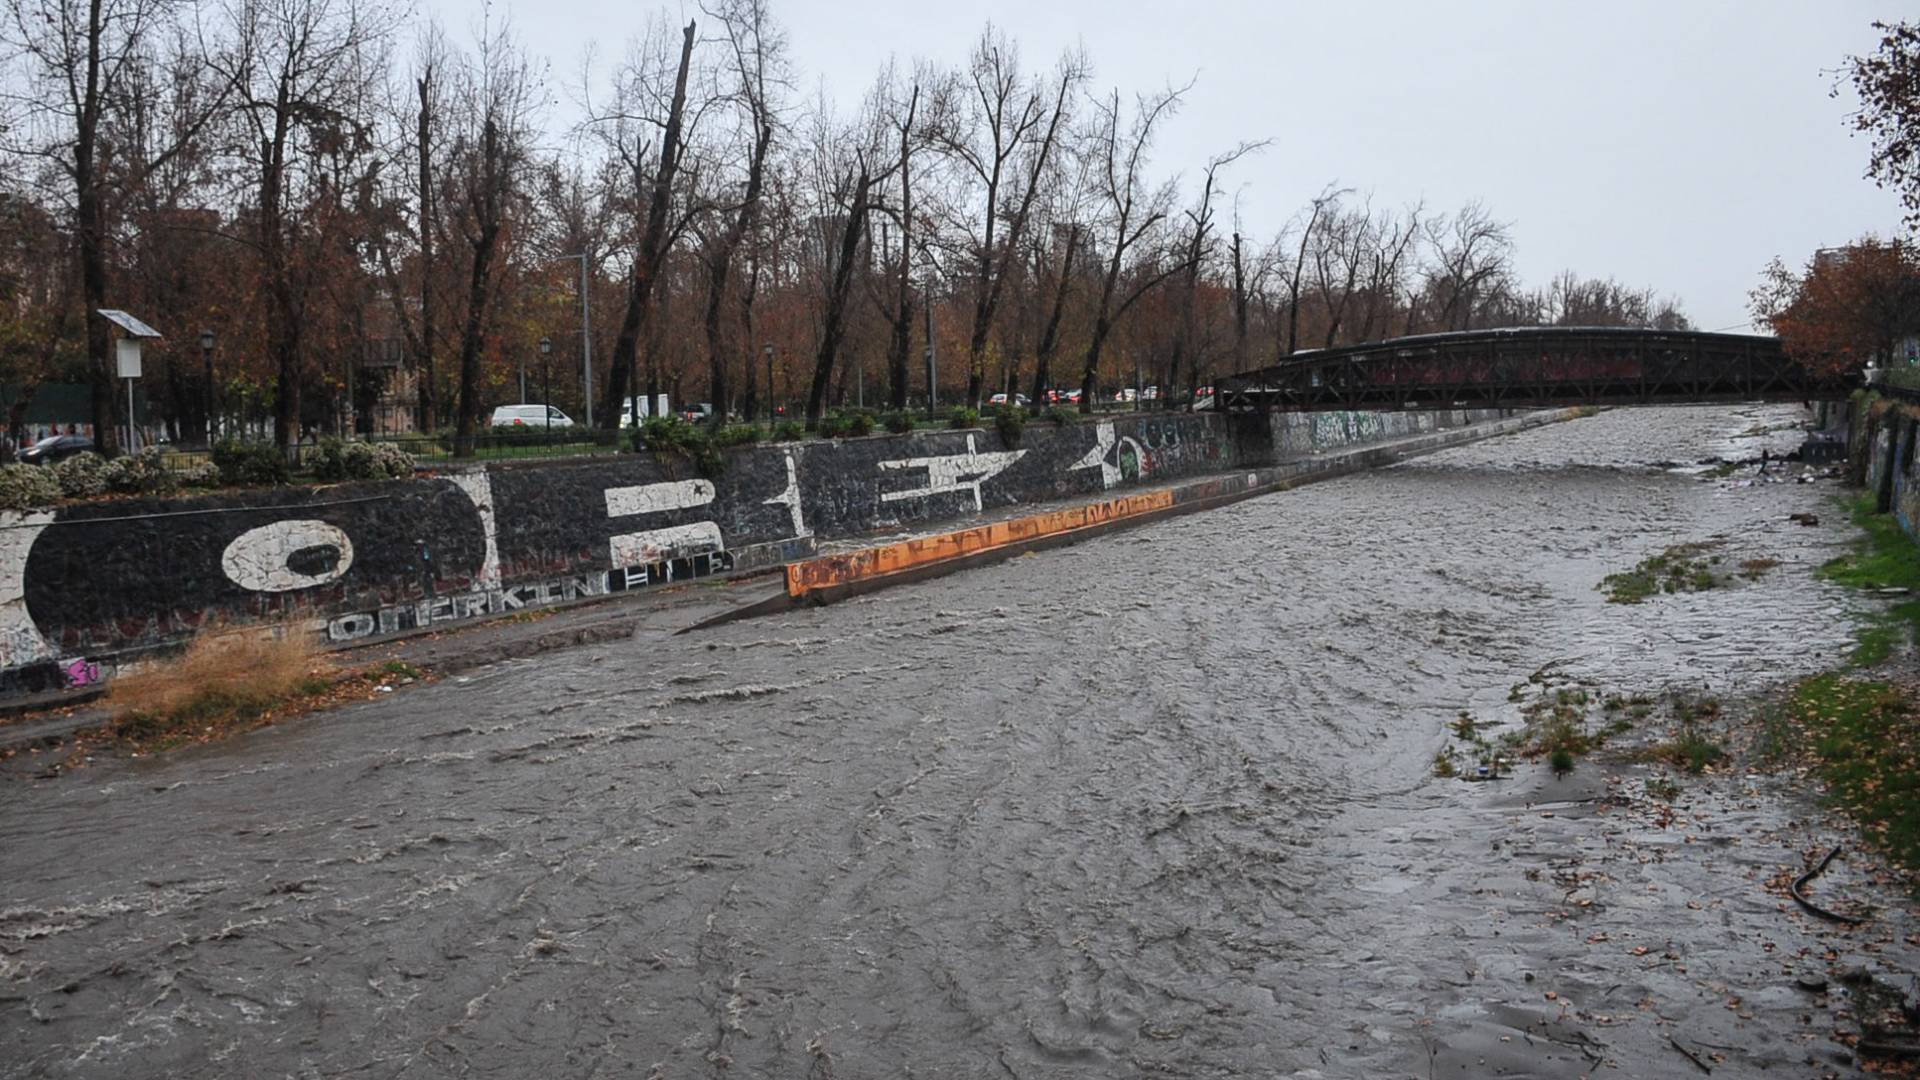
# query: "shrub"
831,426
329,460
899,422
735,435
666,435
391,462
963,417
203,475
82,476
27,487
144,473
244,462
222,679
789,431
1060,416
1010,421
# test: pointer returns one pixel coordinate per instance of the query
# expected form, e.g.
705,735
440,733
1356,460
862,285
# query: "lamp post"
546,382
206,360
769,354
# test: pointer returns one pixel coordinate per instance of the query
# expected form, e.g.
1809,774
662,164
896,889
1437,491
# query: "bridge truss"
1529,368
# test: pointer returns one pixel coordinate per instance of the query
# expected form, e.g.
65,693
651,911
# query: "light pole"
206,361
586,334
546,381
768,350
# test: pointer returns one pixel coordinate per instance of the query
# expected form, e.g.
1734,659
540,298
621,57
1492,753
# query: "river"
1158,804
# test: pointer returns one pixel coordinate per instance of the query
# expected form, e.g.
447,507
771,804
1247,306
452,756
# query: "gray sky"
1677,144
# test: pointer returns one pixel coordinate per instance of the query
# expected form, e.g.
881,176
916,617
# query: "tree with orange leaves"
1851,305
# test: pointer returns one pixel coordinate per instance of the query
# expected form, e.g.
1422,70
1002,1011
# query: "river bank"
1162,803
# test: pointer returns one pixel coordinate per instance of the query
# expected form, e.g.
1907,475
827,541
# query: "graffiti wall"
1296,435
91,584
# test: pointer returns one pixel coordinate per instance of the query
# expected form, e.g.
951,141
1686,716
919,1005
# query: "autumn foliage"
1848,306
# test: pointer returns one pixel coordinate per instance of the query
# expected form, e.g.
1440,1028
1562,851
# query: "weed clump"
1680,568
221,681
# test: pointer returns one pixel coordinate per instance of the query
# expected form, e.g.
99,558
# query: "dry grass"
222,680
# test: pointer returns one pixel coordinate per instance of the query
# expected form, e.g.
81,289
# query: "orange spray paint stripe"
804,577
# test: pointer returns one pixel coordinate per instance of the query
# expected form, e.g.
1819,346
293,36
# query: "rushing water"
1159,804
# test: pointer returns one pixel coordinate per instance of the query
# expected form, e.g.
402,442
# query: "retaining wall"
1881,435
90,586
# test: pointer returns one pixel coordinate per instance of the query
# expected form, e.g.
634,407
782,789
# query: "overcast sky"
1677,144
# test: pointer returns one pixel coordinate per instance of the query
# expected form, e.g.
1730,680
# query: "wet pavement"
1158,804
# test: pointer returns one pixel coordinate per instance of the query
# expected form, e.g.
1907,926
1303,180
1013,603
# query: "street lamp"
206,359
546,383
769,354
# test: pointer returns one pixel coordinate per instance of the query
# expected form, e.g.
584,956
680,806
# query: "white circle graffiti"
257,558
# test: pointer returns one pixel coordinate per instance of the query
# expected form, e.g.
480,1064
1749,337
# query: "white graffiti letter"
658,545
257,558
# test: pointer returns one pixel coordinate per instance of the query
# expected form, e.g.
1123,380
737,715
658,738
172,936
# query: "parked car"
55,448
534,416
1063,397
1019,400
697,414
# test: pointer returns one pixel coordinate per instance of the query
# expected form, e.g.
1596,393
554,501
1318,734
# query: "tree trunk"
1050,337
423,354
647,260
834,323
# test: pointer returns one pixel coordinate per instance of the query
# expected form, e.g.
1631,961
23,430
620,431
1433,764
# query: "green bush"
329,460
899,422
336,460
735,435
963,417
1060,416
831,426
789,431
1011,422
144,473
244,462
666,435
82,476
860,422
27,487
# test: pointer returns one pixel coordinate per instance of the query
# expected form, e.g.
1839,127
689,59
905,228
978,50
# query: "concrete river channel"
1160,804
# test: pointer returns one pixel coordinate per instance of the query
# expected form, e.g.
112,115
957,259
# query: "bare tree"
902,112
84,60
756,45
1324,203
1004,131
846,178
489,163
302,66
1199,246
1473,255
1133,214
660,229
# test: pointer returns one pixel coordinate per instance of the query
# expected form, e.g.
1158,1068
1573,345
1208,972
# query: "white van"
627,409
533,416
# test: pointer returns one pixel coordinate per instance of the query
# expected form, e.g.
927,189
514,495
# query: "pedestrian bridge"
1532,367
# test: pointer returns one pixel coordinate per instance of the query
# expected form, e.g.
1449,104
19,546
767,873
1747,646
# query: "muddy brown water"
1160,804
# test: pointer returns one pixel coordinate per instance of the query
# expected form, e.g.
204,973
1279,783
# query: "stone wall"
89,586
